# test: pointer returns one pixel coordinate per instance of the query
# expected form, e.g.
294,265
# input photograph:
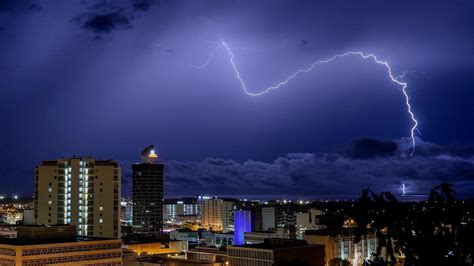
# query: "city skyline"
108,78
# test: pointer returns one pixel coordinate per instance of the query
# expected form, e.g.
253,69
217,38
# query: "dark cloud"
318,174
105,23
144,5
18,6
106,17
305,43
372,148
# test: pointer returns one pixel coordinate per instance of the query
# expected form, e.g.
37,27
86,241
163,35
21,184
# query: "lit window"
50,190
101,220
50,202
101,208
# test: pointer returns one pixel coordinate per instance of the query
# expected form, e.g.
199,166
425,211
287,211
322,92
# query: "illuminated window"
101,220
50,202
101,208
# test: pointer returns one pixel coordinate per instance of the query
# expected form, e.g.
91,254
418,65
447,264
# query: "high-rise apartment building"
147,194
218,214
79,191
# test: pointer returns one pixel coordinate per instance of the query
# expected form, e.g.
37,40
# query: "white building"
340,244
218,214
308,221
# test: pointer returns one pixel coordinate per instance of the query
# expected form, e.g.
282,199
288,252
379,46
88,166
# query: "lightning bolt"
398,80
404,189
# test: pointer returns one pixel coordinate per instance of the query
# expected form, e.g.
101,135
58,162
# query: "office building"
308,221
127,211
242,224
218,240
286,215
185,235
147,194
276,252
268,218
79,191
340,244
260,236
174,208
58,245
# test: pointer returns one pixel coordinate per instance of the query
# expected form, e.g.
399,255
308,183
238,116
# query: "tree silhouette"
425,233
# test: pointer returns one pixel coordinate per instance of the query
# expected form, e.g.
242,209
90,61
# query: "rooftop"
26,242
277,243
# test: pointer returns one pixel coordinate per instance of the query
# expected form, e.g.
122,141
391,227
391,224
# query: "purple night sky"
107,78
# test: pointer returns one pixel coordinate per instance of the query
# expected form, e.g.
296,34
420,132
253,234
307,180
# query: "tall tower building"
79,191
147,193
243,224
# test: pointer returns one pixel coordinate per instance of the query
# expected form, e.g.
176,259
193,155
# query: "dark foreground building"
147,194
277,252
58,245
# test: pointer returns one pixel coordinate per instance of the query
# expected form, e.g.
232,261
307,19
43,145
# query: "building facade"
276,252
79,191
268,218
174,208
58,245
340,244
242,224
308,221
147,194
218,214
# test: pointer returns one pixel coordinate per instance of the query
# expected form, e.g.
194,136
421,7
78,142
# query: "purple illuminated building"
242,224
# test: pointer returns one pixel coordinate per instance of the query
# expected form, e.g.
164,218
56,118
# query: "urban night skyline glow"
107,78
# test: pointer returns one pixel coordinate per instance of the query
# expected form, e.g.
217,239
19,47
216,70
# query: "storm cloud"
379,164
105,16
65,95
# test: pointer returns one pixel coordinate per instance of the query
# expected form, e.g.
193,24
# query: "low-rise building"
340,244
259,237
308,221
185,234
219,240
41,245
276,252
174,247
209,255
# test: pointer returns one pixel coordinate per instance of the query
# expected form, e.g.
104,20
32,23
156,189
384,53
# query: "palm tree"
379,213
426,233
